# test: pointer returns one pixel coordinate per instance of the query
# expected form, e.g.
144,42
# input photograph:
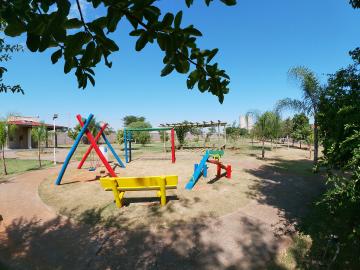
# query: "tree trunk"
288,142
3,158
263,150
300,144
316,140
39,153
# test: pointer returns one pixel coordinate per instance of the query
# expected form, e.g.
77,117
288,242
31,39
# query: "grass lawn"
14,165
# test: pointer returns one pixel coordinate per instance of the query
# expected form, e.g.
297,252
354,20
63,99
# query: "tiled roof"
30,123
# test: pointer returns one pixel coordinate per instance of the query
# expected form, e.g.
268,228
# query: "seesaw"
202,168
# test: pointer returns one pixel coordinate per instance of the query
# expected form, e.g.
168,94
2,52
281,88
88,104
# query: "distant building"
249,124
21,139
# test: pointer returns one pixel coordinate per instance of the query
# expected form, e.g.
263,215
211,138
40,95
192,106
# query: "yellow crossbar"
121,184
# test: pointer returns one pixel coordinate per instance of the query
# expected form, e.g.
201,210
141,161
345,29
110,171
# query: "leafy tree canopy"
132,118
84,43
300,127
142,137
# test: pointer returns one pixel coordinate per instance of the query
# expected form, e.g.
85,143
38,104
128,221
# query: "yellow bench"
119,185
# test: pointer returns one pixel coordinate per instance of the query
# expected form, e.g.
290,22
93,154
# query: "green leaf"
211,55
56,56
111,45
88,54
189,2
162,40
136,32
73,23
15,29
33,42
68,66
141,42
168,19
192,31
229,2
91,79
167,70
177,20
203,84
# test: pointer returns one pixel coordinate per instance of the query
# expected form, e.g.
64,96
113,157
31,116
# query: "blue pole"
73,148
125,147
112,150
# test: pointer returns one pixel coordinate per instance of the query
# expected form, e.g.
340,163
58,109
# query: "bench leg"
118,197
162,192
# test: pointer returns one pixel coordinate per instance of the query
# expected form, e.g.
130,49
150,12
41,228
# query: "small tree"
286,129
181,132
142,137
72,133
120,136
39,135
264,128
301,128
6,130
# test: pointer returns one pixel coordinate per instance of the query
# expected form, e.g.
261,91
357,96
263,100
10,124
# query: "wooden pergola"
203,124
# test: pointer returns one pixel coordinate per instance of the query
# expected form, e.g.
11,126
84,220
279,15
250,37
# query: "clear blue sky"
258,41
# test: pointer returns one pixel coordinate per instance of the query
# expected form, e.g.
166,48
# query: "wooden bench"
119,185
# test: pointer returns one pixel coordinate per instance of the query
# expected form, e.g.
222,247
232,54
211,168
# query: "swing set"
93,145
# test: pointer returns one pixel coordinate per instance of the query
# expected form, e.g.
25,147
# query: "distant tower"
249,124
242,121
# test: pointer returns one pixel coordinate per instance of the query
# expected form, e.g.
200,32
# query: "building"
249,124
21,137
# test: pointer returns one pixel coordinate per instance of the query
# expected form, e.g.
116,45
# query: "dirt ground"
240,223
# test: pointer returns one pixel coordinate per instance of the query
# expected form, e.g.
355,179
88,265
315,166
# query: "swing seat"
92,169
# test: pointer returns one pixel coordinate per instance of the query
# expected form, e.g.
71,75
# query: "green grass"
22,165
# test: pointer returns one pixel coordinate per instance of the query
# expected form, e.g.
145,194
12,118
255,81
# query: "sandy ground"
238,223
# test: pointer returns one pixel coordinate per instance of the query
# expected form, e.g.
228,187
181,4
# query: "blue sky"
258,41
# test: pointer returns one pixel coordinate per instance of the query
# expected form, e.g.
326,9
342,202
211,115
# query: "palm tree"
311,90
39,135
6,130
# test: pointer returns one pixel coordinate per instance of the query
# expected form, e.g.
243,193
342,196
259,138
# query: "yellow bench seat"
121,184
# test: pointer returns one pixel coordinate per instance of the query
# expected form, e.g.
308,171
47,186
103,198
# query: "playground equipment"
119,185
128,139
202,168
93,142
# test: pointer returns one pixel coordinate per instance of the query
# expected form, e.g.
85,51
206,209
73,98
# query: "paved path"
32,236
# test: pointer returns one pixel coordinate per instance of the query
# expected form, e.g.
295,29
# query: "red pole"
91,147
218,170
96,148
173,158
228,171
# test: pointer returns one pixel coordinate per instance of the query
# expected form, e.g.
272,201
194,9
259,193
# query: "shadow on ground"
94,243
289,185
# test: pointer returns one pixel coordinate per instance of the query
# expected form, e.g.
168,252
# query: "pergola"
203,124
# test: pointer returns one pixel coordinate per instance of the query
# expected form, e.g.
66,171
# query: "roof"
27,123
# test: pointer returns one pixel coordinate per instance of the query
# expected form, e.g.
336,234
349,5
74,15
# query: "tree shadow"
288,185
95,243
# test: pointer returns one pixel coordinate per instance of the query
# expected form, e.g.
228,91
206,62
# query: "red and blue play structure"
93,145
201,168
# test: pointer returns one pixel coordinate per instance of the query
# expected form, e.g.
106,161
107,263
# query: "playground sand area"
81,197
